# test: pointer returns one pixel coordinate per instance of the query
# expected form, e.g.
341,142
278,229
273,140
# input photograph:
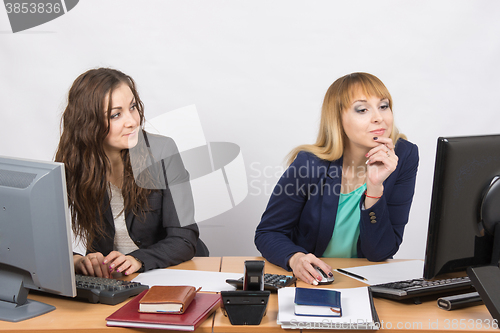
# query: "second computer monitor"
464,169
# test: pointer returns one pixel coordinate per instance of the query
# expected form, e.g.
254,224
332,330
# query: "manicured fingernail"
367,161
315,282
375,138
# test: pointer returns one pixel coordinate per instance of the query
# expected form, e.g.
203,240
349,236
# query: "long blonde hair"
331,139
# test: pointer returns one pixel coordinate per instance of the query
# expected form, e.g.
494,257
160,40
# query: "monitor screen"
464,169
35,236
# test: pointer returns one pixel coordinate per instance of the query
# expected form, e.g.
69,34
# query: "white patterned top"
122,242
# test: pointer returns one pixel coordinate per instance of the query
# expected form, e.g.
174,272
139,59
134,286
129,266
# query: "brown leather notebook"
167,299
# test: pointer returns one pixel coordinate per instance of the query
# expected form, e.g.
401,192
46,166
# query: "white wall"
257,72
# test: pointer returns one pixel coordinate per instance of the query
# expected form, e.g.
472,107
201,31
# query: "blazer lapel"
108,214
129,217
330,200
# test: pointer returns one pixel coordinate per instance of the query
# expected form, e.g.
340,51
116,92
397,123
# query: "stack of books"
316,308
179,308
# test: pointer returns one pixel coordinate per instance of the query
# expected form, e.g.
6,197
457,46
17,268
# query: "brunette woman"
128,191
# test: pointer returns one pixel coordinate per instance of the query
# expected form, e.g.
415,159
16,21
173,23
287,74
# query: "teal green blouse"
345,236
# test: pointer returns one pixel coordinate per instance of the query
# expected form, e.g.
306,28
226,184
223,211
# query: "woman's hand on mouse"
303,264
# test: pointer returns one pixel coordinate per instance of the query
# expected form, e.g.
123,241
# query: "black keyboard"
106,291
272,282
419,287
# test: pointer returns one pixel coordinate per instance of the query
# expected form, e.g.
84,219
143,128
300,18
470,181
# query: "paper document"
356,312
384,273
208,281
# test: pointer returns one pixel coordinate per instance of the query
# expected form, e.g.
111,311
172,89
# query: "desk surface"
71,315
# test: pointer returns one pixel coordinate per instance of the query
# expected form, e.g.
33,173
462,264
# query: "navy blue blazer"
301,213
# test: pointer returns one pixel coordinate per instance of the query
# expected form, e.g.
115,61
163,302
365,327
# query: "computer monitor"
35,236
464,170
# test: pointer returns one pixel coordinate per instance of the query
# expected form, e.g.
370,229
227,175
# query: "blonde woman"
347,195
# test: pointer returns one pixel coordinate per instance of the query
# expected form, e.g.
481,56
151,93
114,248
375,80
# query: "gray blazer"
165,232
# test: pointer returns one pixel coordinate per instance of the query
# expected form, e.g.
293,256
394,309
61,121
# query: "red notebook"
202,306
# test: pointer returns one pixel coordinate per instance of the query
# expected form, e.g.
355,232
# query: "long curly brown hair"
85,125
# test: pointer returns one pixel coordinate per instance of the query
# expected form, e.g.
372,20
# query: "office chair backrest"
201,249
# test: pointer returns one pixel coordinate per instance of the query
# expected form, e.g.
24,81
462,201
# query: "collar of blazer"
328,197
108,214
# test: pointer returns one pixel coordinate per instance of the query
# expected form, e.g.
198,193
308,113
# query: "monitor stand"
486,280
14,313
495,254
14,303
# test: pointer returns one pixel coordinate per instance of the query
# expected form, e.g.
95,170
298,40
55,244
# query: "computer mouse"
325,278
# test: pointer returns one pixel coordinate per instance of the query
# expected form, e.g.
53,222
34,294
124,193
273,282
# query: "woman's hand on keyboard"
91,264
119,262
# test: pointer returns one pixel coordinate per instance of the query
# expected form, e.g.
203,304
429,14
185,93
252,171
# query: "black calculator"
272,282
